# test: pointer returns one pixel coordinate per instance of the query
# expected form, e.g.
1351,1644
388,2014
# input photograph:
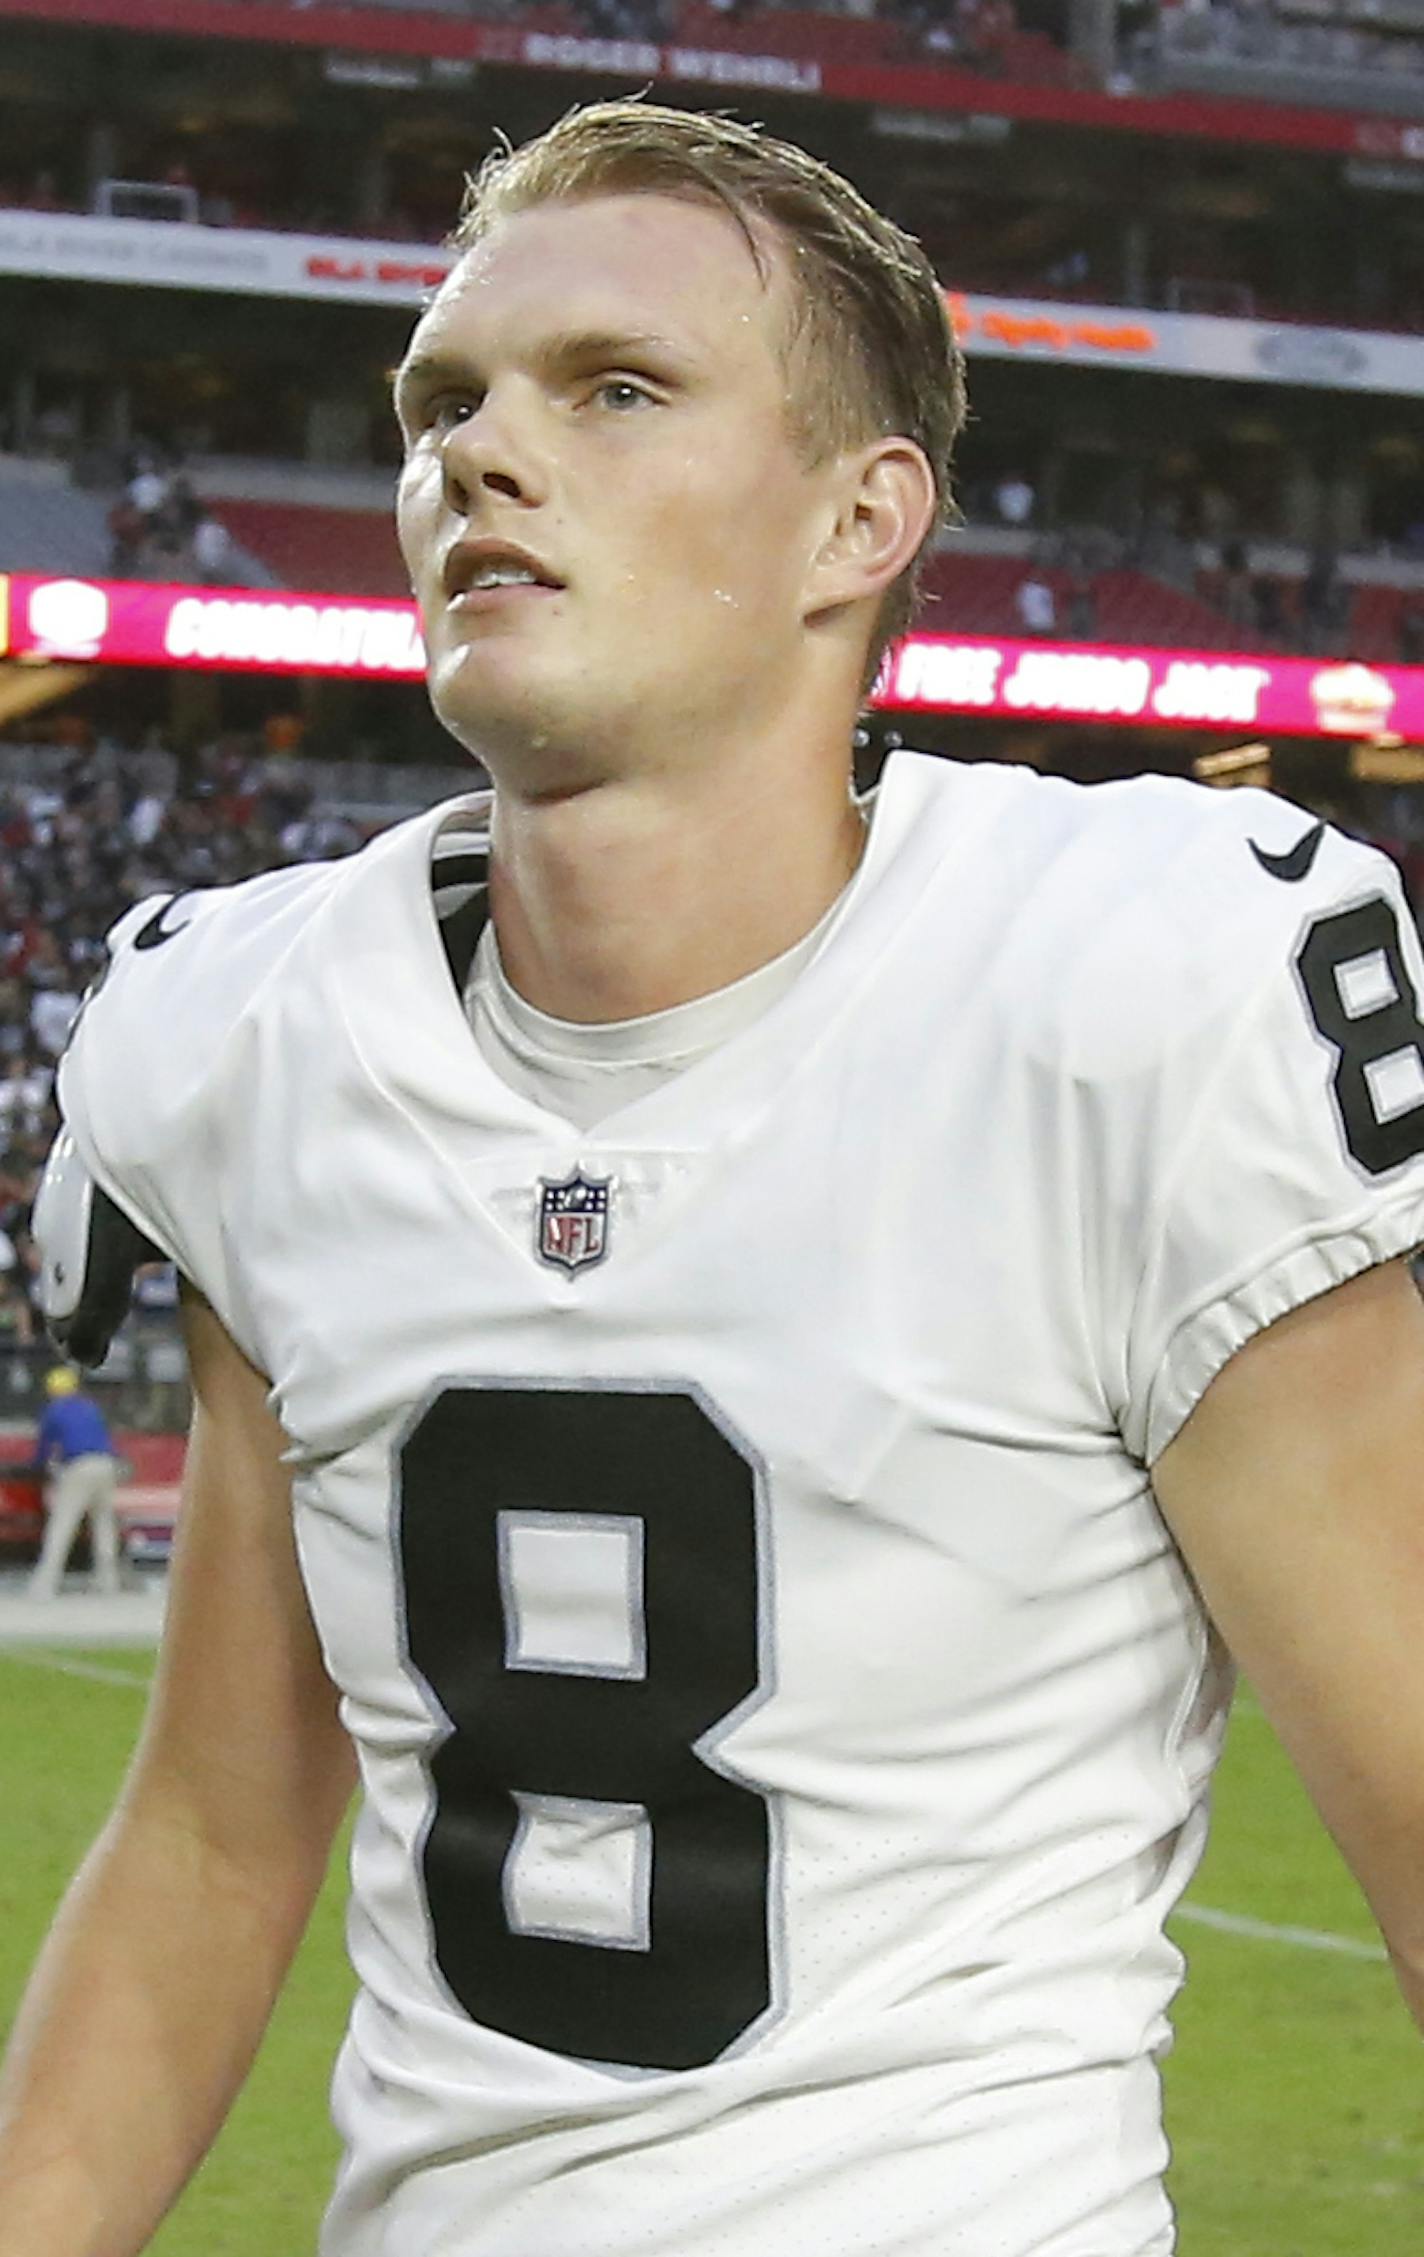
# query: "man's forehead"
650,266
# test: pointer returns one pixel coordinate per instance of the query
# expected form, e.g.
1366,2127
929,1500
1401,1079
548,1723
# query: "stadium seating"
332,551
973,594
348,551
802,31
46,523
1370,629
1375,622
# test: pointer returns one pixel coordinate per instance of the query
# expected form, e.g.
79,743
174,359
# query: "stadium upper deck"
362,120
1136,65
1162,319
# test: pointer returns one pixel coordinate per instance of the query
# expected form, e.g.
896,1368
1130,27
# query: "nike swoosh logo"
1295,863
155,932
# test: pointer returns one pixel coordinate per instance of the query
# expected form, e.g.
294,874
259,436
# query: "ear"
884,503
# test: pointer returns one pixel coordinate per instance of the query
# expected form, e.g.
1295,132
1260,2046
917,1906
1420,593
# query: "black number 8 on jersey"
582,1600
1364,1003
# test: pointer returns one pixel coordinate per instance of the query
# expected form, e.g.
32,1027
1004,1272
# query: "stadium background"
1184,241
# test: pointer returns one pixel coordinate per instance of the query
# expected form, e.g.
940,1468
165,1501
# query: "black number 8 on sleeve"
582,1600
1364,1003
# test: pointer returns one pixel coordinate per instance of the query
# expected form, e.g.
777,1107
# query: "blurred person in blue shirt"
81,1471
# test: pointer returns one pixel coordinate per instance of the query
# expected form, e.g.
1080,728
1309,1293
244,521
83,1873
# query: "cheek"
736,531
417,499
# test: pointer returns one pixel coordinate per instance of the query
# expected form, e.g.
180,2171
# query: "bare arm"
159,1975
1296,1492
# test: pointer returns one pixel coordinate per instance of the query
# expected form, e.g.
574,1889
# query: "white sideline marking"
66,1666
1262,1931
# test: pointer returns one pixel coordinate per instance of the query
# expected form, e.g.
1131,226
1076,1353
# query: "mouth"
481,574
473,600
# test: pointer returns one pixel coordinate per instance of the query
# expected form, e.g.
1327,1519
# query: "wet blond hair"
870,352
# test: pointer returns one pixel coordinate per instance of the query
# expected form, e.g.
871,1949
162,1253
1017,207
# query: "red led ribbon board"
1173,689
137,623
134,623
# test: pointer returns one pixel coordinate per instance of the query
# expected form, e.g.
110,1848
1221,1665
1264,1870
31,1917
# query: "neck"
639,893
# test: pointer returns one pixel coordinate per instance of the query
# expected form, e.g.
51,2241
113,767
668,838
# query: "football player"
757,1358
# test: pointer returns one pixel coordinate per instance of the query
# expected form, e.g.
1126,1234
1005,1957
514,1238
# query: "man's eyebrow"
572,348
425,368
582,345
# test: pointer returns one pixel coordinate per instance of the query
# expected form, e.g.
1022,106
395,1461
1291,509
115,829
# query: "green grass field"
1295,2096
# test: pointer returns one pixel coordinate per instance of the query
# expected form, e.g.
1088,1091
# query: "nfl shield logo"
573,1220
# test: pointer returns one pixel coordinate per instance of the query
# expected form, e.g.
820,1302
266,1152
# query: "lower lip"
486,599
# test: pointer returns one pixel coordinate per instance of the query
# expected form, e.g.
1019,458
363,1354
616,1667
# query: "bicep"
242,1743
1295,1491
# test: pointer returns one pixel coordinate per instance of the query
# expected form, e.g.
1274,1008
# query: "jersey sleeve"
162,1062
1283,1145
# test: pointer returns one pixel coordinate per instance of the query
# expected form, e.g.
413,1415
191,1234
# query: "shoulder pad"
88,1250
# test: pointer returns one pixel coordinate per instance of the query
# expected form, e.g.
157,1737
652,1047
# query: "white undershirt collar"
583,1073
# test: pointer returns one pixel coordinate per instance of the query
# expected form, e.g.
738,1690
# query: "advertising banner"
749,56
139,623
180,255
1173,689
135,623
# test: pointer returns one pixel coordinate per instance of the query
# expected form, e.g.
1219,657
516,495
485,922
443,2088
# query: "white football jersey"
784,1720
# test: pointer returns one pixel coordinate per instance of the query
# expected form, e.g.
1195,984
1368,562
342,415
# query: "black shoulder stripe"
117,1248
460,933
464,869
459,880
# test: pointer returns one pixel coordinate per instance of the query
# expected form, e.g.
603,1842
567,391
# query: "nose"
484,456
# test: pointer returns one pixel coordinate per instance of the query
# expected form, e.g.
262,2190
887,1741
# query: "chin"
523,734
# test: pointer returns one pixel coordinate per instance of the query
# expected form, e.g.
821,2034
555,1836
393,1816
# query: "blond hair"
870,354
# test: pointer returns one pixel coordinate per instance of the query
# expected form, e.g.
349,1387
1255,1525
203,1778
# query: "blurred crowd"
1334,38
1317,610
74,854
981,34
160,530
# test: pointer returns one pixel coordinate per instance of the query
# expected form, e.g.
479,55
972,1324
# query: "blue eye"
447,409
621,395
